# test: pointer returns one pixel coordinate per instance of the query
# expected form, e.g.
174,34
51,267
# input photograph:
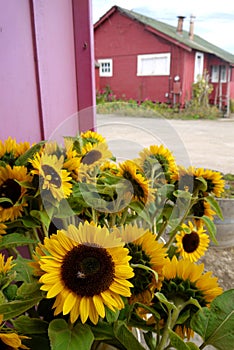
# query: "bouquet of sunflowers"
99,254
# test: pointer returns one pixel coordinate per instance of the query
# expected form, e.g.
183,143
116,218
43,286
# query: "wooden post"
85,65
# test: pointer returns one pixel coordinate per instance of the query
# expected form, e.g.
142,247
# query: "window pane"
215,74
105,67
153,64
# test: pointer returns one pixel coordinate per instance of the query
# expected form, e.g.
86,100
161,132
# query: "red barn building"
140,57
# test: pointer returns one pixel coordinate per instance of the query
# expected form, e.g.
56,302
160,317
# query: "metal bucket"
225,227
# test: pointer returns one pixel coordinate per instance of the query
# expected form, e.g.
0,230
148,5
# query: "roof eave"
168,38
105,17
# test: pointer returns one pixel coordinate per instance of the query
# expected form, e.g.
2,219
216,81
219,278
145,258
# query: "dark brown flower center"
55,178
88,270
92,157
199,209
138,191
190,242
12,190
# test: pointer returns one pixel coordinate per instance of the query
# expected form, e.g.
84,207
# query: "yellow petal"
69,303
84,309
98,303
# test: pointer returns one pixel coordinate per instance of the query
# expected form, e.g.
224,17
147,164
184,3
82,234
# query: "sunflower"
53,178
110,167
192,242
93,155
202,207
157,160
215,182
12,341
10,150
2,229
145,250
72,158
139,185
85,269
12,188
183,280
7,147
189,179
92,137
5,266
21,148
184,178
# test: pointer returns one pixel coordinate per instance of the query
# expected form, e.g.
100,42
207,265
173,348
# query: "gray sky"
214,18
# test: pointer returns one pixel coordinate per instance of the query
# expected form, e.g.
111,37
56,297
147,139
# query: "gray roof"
197,43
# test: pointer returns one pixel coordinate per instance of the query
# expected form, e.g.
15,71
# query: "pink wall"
19,112
56,62
39,92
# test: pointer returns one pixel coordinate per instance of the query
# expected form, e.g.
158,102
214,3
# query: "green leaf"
5,199
126,337
215,206
192,346
215,324
161,297
23,159
139,208
210,227
63,337
28,325
41,216
15,240
177,341
27,290
111,316
24,271
30,222
182,194
17,307
28,295
202,184
103,331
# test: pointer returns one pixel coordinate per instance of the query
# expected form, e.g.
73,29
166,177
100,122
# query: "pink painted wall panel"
18,91
85,68
56,64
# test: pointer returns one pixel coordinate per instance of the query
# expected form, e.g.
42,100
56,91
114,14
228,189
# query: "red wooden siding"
121,38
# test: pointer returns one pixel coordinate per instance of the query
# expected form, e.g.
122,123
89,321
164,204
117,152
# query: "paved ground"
202,143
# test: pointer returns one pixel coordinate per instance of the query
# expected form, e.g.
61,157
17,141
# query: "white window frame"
198,65
223,74
108,71
219,72
155,71
215,74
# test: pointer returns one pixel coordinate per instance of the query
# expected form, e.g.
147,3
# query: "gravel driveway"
202,143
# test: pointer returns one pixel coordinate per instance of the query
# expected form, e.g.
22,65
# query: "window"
105,68
198,68
215,74
218,72
153,64
223,74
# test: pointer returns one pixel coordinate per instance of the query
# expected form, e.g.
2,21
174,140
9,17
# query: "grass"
229,186
150,109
